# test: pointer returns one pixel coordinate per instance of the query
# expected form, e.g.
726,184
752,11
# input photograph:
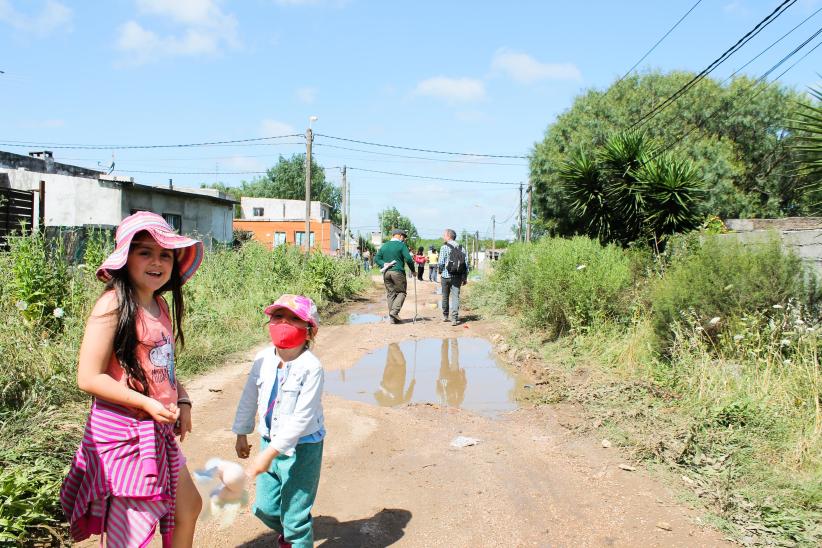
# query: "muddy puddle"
458,372
363,318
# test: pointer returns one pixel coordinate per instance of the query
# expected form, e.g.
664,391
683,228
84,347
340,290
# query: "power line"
421,149
664,36
416,157
124,147
775,42
770,18
432,178
759,82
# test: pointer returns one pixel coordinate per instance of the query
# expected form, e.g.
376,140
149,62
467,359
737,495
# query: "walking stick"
415,299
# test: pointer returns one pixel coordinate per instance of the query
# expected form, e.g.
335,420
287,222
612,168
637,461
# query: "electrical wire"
127,147
664,36
472,154
770,18
416,157
432,178
757,83
775,42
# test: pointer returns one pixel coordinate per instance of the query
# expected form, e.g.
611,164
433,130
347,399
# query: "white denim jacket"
298,409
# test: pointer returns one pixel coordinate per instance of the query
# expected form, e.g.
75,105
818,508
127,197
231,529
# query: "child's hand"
183,422
160,413
261,463
241,446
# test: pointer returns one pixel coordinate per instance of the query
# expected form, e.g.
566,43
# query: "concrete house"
65,197
275,221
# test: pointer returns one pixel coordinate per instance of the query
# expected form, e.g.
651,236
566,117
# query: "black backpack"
456,262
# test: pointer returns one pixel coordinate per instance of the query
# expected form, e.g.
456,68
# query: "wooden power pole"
528,230
344,243
309,139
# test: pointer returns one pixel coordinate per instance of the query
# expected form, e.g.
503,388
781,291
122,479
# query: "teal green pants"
285,494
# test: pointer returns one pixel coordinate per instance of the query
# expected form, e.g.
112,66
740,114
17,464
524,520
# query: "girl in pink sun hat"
129,474
284,392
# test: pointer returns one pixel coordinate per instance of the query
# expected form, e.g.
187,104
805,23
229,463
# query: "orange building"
272,221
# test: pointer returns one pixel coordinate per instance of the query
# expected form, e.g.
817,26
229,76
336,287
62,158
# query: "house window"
301,238
279,238
258,211
175,220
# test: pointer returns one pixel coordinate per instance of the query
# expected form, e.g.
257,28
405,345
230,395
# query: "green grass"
42,411
733,409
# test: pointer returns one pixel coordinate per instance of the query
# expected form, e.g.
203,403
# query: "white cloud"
242,163
524,69
204,29
736,7
273,128
306,95
52,17
452,89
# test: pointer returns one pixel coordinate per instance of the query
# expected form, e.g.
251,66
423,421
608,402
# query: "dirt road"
391,478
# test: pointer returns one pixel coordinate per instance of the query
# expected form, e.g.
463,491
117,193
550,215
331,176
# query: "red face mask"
285,335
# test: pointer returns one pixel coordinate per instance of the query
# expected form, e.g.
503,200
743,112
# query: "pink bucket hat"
189,256
303,307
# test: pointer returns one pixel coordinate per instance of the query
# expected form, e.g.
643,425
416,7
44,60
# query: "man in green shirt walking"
392,258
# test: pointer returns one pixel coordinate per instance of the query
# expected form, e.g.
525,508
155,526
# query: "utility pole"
309,139
519,231
345,221
530,192
348,212
493,238
476,239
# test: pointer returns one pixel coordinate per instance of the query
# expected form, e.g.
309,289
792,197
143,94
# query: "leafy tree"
391,218
807,145
734,135
286,180
626,191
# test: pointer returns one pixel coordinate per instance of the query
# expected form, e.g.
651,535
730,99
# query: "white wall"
72,201
276,209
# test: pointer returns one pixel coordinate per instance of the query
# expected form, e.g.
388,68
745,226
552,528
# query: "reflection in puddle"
356,319
459,372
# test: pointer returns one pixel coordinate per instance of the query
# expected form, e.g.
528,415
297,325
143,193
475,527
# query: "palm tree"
626,192
807,143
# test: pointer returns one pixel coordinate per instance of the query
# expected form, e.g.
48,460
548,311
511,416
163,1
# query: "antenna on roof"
111,167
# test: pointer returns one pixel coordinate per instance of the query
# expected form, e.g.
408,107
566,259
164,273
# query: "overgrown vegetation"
704,359
44,304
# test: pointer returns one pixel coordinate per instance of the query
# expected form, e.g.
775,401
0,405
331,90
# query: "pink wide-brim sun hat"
303,307
189,250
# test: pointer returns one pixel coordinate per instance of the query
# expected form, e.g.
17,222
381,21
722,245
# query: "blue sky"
476,77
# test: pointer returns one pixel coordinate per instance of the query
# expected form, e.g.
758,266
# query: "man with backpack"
392,258
453,267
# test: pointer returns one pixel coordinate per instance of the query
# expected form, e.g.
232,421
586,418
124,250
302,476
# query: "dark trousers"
420,270
395,290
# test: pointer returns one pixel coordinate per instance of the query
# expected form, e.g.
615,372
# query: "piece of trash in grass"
463,441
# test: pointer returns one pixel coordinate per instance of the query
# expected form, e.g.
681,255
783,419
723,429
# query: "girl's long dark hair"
125,337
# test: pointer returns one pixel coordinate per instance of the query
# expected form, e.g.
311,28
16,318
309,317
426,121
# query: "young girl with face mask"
284,391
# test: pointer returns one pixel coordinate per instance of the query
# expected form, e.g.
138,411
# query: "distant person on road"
392,258
366,259
433,267
284,392
420,259
454,271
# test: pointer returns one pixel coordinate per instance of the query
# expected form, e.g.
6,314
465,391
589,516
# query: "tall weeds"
705,359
